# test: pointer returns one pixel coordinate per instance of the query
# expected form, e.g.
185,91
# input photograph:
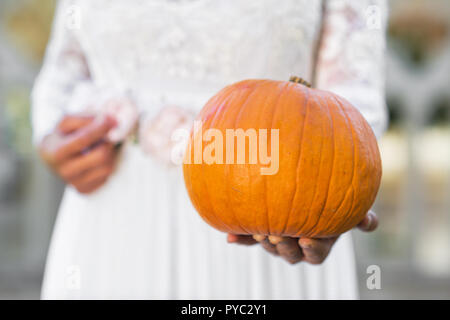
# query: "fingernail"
275,239
305,244
369,220
259,237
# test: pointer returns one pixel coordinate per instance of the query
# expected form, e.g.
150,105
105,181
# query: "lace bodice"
180,52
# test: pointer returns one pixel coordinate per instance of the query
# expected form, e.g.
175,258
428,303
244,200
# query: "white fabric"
138,236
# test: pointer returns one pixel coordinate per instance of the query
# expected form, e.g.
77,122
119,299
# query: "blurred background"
412,245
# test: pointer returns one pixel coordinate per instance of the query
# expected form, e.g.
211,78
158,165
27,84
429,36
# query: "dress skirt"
138,237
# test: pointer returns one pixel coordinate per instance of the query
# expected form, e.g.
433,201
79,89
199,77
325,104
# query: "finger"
275,239
315,251
269,247
241,239
71,123
259,237
84,138
91,187
289,250
73,168
94,175
369,223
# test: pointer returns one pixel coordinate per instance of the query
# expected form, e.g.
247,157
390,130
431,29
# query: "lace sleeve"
64,68
351,56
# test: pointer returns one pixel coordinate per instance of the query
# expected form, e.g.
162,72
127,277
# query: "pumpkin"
329,166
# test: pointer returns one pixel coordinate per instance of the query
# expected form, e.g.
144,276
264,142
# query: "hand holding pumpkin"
295,250
327,159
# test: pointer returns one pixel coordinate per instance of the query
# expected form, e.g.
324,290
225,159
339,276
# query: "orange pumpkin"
329,166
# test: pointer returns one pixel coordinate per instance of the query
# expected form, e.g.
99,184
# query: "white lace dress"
139,236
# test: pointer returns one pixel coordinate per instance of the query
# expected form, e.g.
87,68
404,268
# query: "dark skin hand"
295,250
78,152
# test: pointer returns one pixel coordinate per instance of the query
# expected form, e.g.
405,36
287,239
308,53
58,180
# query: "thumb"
71,123
84,137
369,223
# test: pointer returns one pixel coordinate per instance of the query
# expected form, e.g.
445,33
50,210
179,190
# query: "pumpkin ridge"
220,117
351,185
369,152
357,155
375,155
320,167
188,178
294,196
237,120
228,170
331,175
255,216
265,195
285,85
308,218
222,101
344,225
210,202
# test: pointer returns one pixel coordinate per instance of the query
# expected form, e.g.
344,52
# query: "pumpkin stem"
296,79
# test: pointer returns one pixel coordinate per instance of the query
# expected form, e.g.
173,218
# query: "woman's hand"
79,153
294,250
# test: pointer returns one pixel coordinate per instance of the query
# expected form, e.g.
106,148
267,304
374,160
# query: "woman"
126,229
